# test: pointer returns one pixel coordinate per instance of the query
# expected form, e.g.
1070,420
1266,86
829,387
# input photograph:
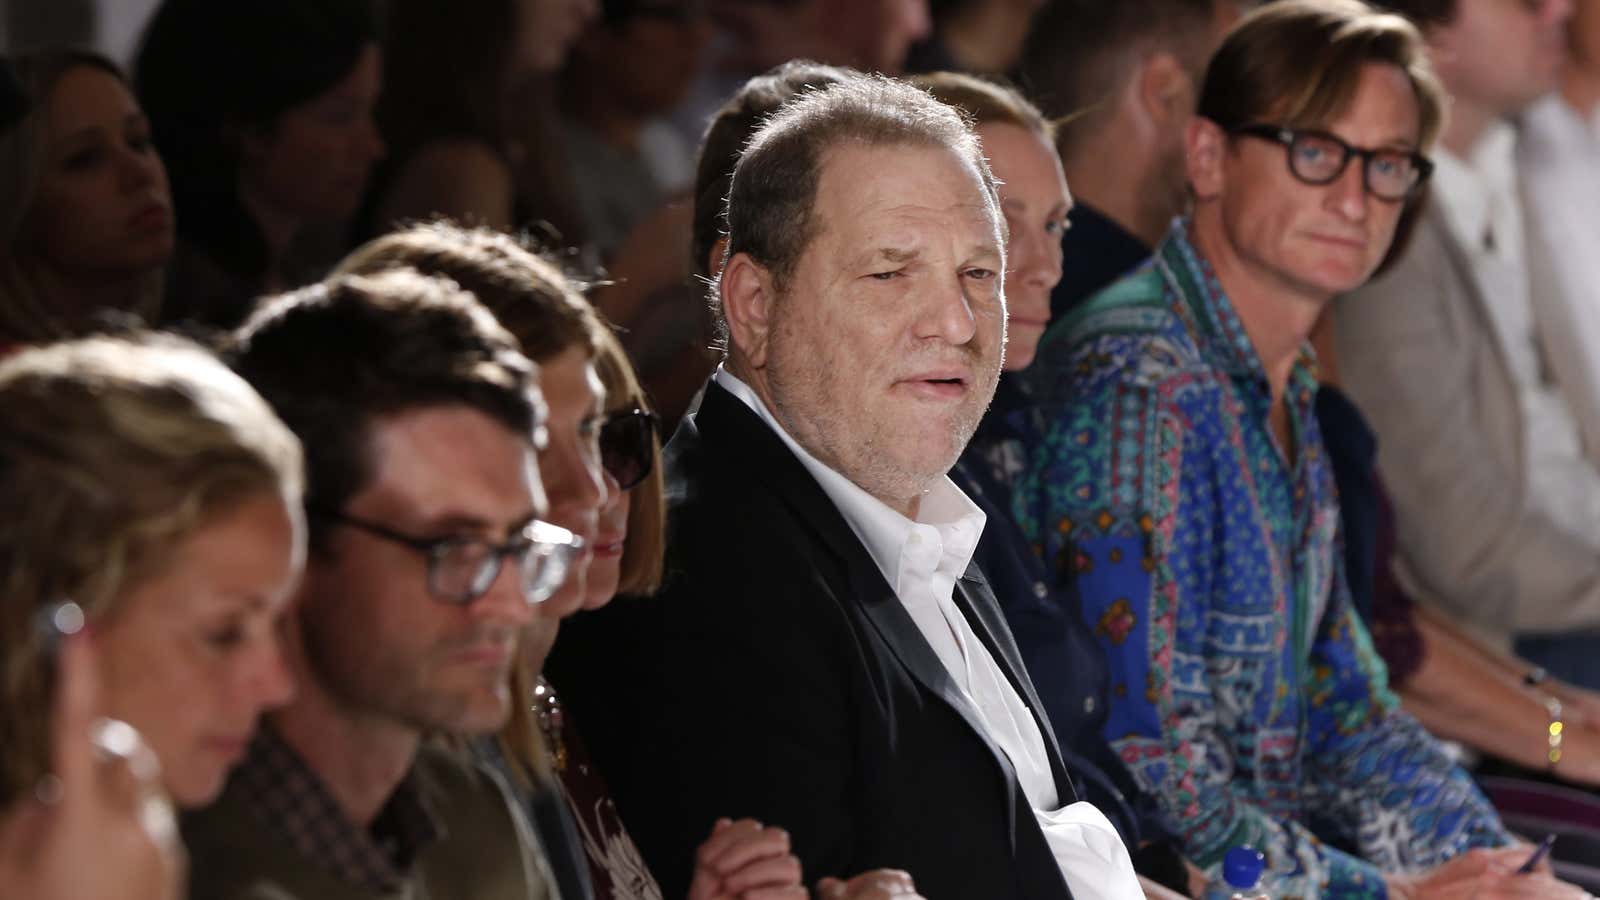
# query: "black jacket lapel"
978,604
725,421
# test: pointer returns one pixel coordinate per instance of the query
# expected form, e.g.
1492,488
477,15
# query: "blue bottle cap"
1242,867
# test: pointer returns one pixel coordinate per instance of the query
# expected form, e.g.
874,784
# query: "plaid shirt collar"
292,802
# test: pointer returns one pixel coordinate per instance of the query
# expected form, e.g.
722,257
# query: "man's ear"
1205,145
1166,92
747,294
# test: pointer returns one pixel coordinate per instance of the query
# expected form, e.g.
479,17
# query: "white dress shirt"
922,560
1482,202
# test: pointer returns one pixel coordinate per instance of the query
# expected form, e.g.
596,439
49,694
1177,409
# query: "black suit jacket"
778,676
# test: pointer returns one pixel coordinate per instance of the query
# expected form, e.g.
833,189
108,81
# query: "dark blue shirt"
1063,659
1095,251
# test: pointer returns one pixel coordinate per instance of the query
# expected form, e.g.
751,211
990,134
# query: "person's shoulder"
232,857
461,156
485,846
1128,336
458,176
449,772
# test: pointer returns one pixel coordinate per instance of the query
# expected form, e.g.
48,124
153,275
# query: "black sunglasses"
628,446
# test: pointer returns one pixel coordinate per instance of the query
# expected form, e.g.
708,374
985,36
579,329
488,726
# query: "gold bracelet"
1557,730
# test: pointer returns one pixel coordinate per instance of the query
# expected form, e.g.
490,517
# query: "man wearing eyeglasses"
1182,481
1475,387
420,421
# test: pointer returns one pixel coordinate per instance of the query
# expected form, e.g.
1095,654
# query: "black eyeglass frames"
1318,158
461,570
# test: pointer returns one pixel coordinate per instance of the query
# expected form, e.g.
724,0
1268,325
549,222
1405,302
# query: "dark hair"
731,129
530,295
1298,63
445,67
208,70
1079,53
771,201
335,357
14,102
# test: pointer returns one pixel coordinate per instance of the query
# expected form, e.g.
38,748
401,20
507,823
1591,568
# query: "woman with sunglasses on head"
151,537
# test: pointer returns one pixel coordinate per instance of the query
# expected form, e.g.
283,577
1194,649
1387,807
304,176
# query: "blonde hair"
112,451
987,102
29,311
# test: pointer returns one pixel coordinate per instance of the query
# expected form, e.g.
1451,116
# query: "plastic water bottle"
1243,871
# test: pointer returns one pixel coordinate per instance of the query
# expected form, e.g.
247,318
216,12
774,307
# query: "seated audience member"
1558,162
984,37
1060,652
1458,688
1120,80
818,556
1482,435
263,113
85,214
629,69
630,171
560,331
453,77
1181,479
428,556
751,38
629,562
1437,670
152,504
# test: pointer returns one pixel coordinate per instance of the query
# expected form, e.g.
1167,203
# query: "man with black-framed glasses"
1182,482
421,422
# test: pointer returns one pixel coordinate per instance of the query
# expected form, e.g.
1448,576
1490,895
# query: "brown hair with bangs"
1297,63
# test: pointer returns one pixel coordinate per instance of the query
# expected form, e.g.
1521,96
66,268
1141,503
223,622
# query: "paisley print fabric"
1245,693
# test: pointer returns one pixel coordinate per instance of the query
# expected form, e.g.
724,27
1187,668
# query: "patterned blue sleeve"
1119,493
1391,790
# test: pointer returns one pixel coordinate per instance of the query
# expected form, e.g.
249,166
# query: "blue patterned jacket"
1245,693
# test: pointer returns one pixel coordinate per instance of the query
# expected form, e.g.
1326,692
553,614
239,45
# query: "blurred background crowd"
189,157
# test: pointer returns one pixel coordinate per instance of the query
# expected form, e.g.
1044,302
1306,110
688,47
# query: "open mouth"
938,387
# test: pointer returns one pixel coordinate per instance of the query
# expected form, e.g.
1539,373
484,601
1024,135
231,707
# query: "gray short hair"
771,203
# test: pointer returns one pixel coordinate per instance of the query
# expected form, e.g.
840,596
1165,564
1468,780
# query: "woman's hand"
86,831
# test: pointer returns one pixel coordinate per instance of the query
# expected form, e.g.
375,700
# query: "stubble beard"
806,405
402,693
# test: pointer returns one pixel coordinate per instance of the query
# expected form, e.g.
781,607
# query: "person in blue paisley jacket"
1181,481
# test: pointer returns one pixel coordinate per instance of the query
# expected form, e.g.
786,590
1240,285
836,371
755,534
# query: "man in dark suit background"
824,656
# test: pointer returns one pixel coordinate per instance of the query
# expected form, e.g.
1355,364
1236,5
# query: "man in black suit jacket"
823,655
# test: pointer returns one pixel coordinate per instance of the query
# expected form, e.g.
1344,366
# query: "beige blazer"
1420,353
